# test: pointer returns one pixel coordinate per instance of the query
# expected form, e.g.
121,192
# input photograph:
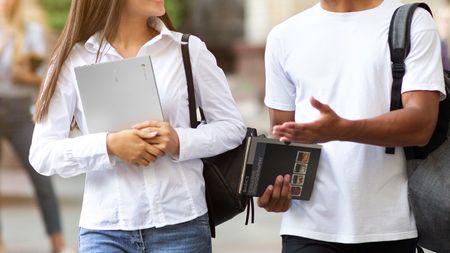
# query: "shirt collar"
93,43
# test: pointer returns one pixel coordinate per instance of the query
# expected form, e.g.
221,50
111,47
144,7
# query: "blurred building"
219,23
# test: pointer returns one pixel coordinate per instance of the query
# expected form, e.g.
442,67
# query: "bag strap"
190,83
399,45
192,110
189,79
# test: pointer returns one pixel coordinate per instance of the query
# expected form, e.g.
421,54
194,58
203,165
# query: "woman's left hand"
166,139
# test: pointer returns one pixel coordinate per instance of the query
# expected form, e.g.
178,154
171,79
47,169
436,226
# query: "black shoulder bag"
222,173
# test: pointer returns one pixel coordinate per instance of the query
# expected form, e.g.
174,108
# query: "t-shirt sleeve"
35,39
280,91
424,70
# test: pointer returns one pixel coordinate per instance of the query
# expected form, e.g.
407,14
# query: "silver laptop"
116,95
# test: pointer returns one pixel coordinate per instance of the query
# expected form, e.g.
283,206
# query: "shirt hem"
426,87
339,238
278,106
127,227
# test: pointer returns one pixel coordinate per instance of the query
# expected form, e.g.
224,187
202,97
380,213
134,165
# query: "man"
329,81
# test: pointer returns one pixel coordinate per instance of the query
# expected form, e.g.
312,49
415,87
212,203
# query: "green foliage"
57,11
176,10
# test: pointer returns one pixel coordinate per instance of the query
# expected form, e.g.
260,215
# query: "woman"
144,188
22,49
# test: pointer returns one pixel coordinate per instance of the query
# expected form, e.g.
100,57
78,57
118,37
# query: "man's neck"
349,5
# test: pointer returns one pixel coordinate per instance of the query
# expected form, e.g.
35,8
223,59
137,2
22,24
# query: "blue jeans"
188,237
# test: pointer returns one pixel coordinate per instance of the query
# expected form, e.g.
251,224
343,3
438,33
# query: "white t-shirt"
342,59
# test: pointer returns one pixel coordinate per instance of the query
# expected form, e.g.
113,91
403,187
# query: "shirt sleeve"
280,91
35,39
52,151
424,70
225,129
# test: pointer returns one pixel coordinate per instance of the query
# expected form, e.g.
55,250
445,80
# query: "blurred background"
235,31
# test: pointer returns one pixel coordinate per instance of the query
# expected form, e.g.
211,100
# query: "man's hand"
325,128
277,197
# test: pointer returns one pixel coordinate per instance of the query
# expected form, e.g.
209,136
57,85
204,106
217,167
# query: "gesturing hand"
327,127
166,138
130,145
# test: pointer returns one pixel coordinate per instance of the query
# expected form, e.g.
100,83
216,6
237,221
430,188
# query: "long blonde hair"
15,19
86,17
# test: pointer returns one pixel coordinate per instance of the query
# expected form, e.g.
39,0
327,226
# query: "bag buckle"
398,70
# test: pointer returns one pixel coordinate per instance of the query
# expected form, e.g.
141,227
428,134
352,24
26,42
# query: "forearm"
405,127
412,125
69,157
209,139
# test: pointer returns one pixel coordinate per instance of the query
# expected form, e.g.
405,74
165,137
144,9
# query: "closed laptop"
118,94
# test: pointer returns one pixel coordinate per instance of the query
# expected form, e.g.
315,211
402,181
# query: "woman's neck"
349,5
132,34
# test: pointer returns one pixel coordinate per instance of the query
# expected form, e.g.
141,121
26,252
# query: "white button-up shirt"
121,196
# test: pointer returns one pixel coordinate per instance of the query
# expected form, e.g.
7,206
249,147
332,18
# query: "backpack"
429,165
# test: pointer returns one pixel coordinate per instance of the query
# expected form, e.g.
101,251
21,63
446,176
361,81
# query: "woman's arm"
23,73
225,129
25,69
52,151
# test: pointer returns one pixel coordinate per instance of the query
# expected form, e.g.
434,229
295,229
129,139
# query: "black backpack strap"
399,45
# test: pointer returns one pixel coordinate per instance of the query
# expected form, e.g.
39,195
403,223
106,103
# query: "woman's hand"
130,146
166,139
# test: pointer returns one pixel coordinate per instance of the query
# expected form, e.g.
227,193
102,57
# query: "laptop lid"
118,94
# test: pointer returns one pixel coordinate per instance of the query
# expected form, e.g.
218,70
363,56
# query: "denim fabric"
295,244
188,237
17,128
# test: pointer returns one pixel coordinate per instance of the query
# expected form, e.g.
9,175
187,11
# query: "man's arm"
411,126
278,117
